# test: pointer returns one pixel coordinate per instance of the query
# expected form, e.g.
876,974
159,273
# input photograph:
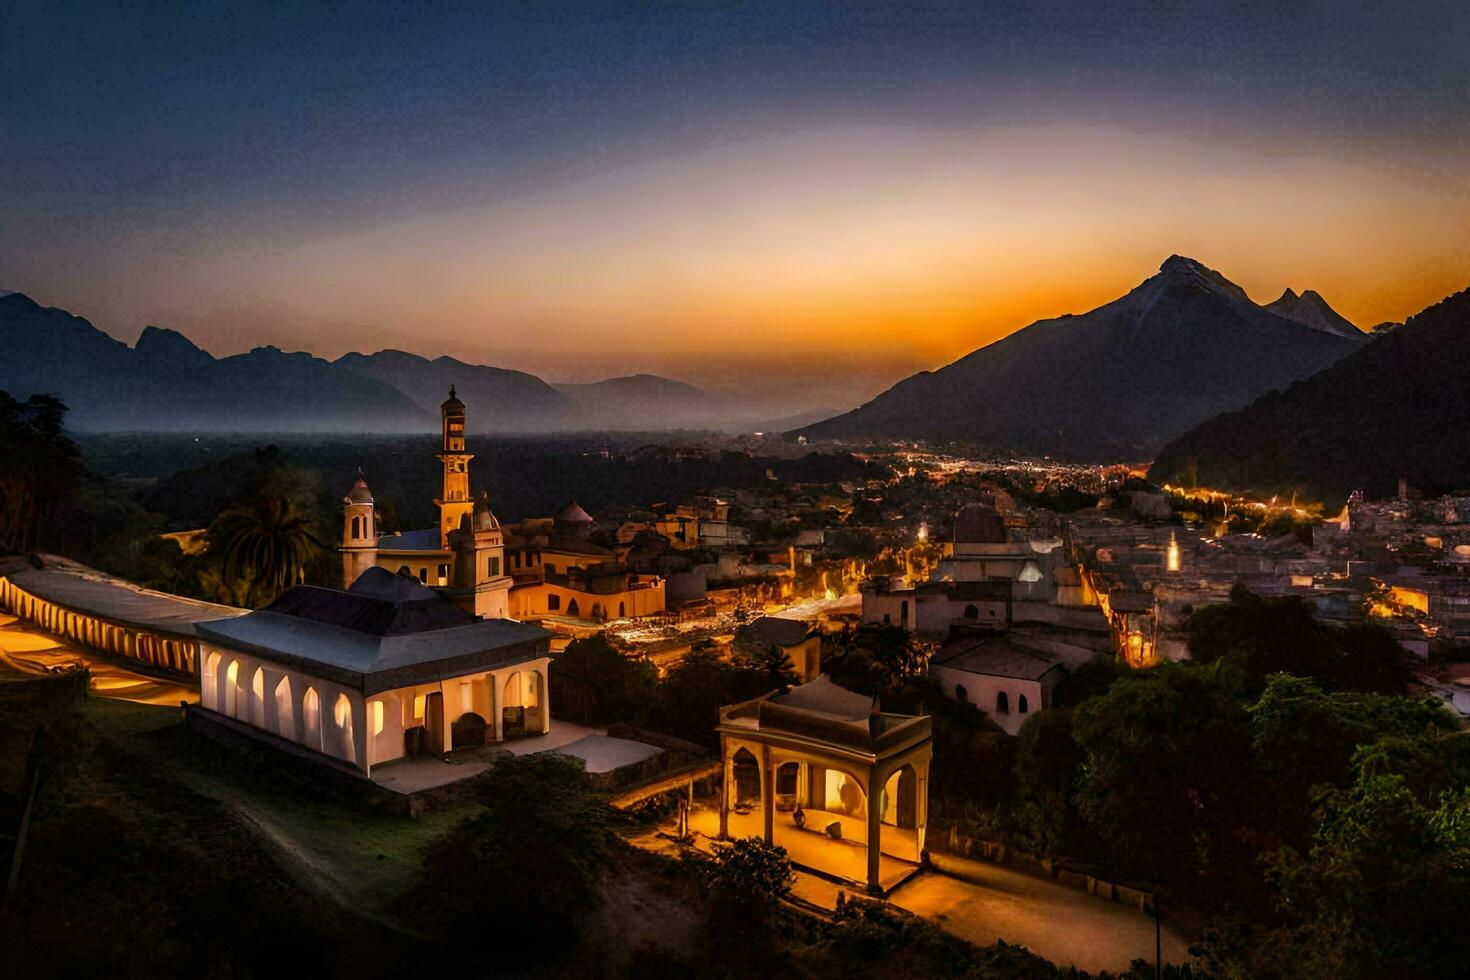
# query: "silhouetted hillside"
642,401
168,384
1115,383
515,400
1400,407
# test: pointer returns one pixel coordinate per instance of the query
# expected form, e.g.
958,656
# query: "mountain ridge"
1397,407
1113,383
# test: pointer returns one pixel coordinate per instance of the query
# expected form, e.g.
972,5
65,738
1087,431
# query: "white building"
1007,681
384,670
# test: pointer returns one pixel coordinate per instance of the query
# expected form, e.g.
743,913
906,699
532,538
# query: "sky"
815,200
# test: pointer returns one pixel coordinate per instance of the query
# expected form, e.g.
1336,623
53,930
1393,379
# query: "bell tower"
454,502
359,531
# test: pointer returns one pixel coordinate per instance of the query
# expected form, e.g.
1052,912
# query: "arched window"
971,612
285,714
960,694
622,610
357,527
209,681
257,698
311,719
1021,706
903,614
342,714
572,609
404,571
1002,704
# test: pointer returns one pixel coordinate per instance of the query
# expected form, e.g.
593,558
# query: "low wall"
953,842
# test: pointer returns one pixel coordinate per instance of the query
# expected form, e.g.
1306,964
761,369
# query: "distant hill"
167,384
1400,407
645,401
517,401
1115,383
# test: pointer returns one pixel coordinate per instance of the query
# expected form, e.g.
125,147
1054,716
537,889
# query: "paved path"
29,648
985,903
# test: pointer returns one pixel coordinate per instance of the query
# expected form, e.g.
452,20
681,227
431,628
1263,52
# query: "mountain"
1311,310
1115,383
1399,407
644,402
515,400
168,384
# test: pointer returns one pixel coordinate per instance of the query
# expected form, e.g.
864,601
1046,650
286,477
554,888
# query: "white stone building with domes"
547,569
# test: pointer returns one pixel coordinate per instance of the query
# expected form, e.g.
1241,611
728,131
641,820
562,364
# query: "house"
384,670
1002,678
819,770
793,637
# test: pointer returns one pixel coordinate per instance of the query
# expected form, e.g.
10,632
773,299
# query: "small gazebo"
821,771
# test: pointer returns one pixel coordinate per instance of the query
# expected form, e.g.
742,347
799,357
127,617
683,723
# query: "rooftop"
996,656
86,590
781,632
389,633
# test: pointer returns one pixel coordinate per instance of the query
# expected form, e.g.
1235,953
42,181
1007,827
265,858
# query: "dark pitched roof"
573,513
384,633
994,655
426,539
385,605
770,629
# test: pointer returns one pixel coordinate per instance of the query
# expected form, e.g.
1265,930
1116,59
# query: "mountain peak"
1182,271
1310,310
165,343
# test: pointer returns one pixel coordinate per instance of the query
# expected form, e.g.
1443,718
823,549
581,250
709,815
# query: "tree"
41,471
1166,753
1280,634
597,684
531,864
694,690
263,547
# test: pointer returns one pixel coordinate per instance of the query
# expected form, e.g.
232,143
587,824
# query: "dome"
359,494
979,524
484,519
452,405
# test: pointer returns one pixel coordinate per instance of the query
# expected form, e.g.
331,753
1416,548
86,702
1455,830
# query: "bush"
531,862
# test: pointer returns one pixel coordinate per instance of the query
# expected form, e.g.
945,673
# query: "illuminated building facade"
819,770
385,670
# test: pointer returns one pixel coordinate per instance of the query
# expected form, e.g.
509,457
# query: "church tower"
454,502
479,561
359,531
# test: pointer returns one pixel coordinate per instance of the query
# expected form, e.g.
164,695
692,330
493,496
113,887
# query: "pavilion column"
543,693
497,712
361,737
724,788
875,830
446,727
921,805
768,794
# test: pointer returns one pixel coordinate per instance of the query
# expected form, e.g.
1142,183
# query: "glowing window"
377,716
343,711
466,697
418,705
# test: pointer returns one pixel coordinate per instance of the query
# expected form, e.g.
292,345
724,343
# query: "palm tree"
265,546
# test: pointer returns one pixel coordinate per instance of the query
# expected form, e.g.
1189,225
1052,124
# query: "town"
797,491
854,672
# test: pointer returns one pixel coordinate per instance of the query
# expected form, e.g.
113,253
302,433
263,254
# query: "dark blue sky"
136,136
